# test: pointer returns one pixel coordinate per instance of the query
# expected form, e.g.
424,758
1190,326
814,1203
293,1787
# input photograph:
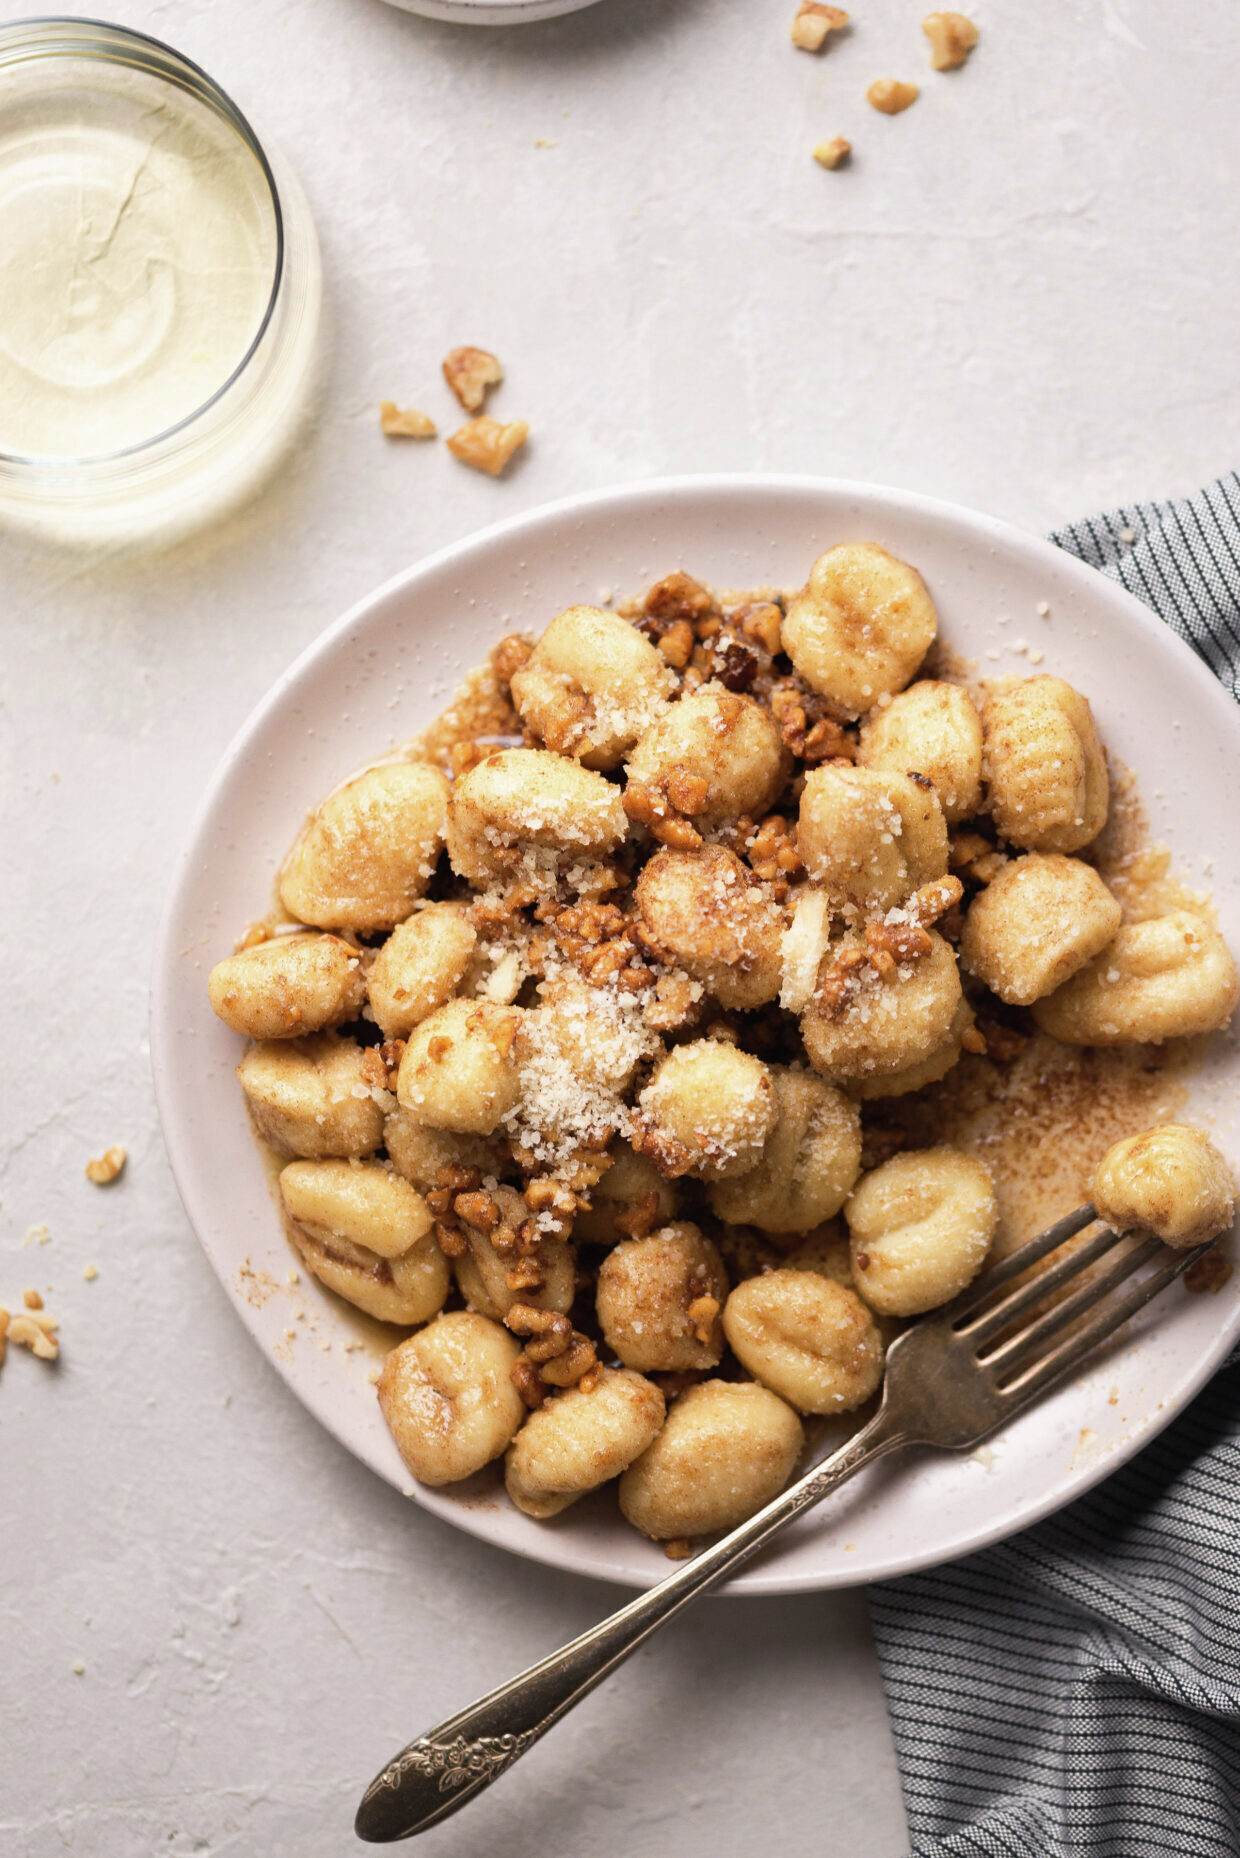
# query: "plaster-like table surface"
1019,296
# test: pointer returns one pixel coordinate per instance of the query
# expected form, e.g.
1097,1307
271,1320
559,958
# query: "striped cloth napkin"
1075,1692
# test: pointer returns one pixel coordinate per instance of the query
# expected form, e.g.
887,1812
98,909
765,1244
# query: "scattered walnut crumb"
814,23
485,445
38,1337
831,154
405,422
37,1235
78,1668
702,1313
952,37
890,95
678,1548
106,1167
32,1299
90,1272
471,373
1210,1272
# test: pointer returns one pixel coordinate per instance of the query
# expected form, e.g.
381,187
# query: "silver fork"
951,1380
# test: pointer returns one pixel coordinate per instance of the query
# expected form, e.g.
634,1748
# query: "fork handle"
439,1773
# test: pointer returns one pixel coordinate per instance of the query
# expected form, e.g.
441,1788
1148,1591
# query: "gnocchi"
1039,921
591,686
932,729
726,1449
809,1163
370,851
1167,977
288,986
659,1300
861,626
809,1339
870,838
920,1228
580,1439
1170,1180
615,1059
448,1397
1046,773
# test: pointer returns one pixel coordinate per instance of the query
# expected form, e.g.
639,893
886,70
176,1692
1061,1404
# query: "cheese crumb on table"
831,154
891,95
405,423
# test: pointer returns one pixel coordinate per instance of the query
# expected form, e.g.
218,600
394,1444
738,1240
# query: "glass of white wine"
160,287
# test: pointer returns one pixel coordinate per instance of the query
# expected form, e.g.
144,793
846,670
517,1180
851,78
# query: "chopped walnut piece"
934,900
892,945
405,422
676,644
678,1548
773,855
509,655
485,445
760,622
32,1299
1209,1272
555,1203
528,1382
842,981
380,1063
524,1274
974,856
834,153
702,1313
678,596
570,1369
971,1040
814,23
550,1332
807,725
952,37
891,95
479,1209
29,1332
106,1167
470,373
648,804
464,756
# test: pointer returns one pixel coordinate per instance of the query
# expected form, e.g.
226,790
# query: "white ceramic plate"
491,12
387,667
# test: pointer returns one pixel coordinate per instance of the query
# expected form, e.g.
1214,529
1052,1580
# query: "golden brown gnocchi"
367,1235
529,810
720,753
881,1026
861,626
809,1164
591,686
810,1340
365,857
659,1300
1046,773
1170,1180
708,910
927,1070
1038,921
459,1070
580,1439
708,1110
726,1449
870,838
422,1154
448,1397
1165,978
312,1096
287,986
921,1226
932,729
420,967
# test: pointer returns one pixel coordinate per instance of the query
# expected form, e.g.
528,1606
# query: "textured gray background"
1021,296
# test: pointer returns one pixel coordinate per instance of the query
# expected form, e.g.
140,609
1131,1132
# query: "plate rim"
759,1580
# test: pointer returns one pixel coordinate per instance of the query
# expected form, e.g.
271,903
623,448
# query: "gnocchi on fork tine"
986,1356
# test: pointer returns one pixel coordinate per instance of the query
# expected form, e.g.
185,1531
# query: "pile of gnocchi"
568,1032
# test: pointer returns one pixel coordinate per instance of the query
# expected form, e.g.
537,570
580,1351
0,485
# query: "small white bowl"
386,668
491,12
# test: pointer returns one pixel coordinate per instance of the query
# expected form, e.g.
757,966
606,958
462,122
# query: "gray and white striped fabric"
1075,1692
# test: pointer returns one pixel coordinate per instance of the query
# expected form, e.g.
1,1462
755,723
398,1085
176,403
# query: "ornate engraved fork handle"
436,1775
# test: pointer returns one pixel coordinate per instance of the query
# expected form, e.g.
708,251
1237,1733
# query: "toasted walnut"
759,622
528,1382
952,37
36,1334
892,945
509,655
550,1332
574,1365
701,1314
104,1168
814,23
679,597
485,445
808,725
32,1299
405,422
773,855
833,153
470,372
649,804
891,95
